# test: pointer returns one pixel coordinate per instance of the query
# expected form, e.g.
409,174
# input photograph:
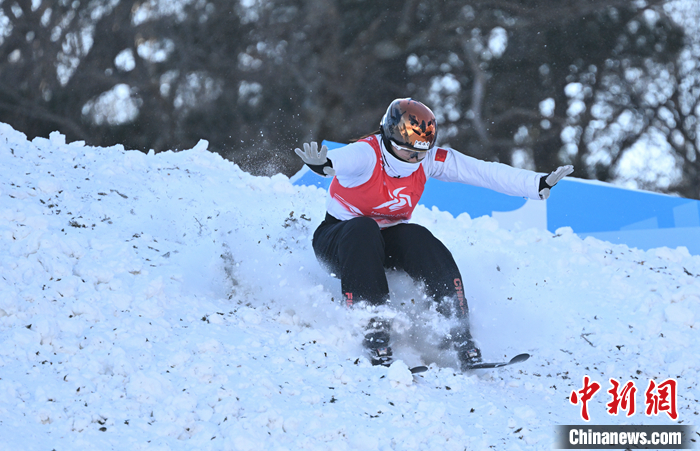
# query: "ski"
485,365
479,366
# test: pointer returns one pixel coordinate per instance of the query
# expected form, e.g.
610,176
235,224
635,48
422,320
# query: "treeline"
532,83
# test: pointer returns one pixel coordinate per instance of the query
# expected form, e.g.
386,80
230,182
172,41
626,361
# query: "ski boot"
376,341
468,352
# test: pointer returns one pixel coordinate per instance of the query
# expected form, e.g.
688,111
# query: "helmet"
409,123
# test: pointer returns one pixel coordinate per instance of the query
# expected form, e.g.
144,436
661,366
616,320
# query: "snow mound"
173,301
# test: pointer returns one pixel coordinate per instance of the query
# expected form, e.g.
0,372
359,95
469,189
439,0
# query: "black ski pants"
358,252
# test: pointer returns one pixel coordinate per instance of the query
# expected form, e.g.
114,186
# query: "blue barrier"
640,219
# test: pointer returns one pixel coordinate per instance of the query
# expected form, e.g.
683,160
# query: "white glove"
548,181
313,157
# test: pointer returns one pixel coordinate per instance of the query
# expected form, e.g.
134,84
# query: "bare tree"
522,82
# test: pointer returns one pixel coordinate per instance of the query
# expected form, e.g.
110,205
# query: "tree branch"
478,92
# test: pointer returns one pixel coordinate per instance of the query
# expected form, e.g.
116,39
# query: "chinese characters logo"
657,398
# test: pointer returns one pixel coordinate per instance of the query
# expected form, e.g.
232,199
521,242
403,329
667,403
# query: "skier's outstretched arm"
451,166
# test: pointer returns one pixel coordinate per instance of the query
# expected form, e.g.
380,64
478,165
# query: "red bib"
385,199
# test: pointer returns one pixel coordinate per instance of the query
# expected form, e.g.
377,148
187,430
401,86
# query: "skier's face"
409,155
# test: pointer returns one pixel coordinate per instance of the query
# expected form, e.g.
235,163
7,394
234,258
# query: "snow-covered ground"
173,301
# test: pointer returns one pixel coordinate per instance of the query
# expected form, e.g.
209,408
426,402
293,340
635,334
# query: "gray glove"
316,159
548,181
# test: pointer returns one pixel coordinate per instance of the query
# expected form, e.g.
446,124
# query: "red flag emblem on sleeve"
441,155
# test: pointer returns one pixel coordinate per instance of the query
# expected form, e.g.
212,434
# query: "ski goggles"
408,154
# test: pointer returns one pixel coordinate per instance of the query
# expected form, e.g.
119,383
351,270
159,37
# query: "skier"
377,182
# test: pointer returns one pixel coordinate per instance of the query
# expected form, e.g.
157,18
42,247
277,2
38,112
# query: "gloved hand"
316,159
548,181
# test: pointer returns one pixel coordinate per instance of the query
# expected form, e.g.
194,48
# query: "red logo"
664,401
624,400
441,155
460,294
587,393
348,299
658,398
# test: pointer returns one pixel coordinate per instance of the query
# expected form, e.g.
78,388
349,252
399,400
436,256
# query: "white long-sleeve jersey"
355,164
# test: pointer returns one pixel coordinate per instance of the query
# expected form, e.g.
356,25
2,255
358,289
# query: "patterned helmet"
409,123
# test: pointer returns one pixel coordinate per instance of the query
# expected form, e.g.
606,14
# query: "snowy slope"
173,301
